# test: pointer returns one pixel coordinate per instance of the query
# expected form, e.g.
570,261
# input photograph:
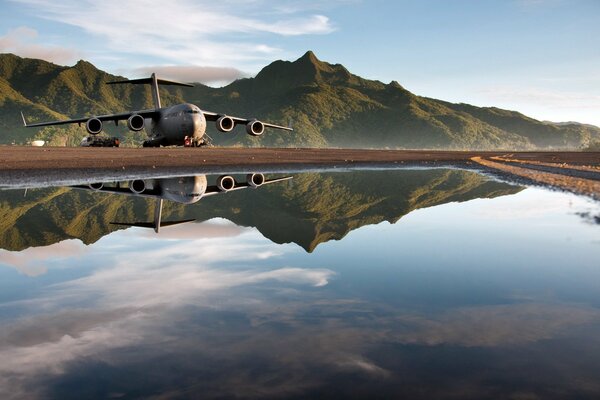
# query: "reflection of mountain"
311,209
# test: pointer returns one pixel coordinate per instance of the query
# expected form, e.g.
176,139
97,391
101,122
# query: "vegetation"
328,105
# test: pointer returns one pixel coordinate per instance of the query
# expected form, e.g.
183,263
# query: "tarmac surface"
25,163
28,158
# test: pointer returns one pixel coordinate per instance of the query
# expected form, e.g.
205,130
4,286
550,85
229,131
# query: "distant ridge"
329,105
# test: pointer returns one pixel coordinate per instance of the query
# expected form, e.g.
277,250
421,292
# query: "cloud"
20,42
542,97
190,73
545,104
186,32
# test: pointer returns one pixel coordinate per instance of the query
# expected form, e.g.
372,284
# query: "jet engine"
255,128
225,183
135,122
137,186
225,123
93,126
255,180
96,186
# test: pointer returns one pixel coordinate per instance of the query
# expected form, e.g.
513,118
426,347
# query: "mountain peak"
309,56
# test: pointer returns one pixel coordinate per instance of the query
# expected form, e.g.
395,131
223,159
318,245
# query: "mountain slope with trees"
329,106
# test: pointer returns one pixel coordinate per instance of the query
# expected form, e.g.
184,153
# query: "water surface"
415,283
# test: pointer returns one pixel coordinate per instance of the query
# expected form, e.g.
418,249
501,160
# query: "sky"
539,57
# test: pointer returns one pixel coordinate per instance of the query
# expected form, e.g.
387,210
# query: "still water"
365,284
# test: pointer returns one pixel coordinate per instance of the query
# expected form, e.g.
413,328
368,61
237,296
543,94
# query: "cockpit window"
193,111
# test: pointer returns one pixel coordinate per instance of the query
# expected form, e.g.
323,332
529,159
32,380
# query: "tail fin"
154,82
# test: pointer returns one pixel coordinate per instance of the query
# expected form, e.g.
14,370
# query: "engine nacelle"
255,128
137,186
135,123
93,126
225,124
255,180
225,183
96,185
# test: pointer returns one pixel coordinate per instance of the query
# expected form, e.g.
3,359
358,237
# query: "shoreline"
25,166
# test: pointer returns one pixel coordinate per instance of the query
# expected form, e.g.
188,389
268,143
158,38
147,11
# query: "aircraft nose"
198,125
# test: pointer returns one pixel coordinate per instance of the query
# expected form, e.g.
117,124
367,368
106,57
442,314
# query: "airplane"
183,190
181,124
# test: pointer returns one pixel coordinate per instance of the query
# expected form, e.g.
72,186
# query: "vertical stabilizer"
155,93
154,82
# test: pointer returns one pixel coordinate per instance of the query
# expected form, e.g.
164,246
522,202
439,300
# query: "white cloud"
21,41
544,104
183,31
544,97
206,75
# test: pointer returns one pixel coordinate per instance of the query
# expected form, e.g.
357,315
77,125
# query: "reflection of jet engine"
137,186
255,180
135,122
255,128
93,126
225,124
225,183
96,186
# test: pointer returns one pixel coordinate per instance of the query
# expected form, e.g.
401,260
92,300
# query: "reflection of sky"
507,285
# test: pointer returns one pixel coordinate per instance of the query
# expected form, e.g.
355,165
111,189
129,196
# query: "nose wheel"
196,142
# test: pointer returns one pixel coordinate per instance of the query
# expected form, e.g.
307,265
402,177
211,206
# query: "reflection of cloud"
127,301
34,260
40,329
222,309
361,364
495,325
530,203
215,228
19,41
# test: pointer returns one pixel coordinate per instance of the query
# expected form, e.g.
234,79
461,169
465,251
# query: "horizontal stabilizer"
152,225
149,80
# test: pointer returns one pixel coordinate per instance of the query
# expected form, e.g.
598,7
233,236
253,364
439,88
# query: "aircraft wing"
108,117
213,189
150,193
211,116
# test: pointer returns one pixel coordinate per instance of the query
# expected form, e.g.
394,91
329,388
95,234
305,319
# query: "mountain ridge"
329,105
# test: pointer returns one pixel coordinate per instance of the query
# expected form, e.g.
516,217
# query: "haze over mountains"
328,105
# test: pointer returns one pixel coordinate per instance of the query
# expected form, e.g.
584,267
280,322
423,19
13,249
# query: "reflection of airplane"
167,126
185,190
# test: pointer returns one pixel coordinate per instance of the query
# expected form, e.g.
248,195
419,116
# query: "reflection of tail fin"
157,224
154,82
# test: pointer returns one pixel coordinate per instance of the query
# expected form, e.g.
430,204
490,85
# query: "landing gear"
149,143
196,142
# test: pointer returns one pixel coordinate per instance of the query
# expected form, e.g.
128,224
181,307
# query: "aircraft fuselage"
174,124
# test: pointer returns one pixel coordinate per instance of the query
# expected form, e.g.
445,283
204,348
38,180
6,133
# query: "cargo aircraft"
184,190
181,124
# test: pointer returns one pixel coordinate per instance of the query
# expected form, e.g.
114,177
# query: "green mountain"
311,209
328,105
